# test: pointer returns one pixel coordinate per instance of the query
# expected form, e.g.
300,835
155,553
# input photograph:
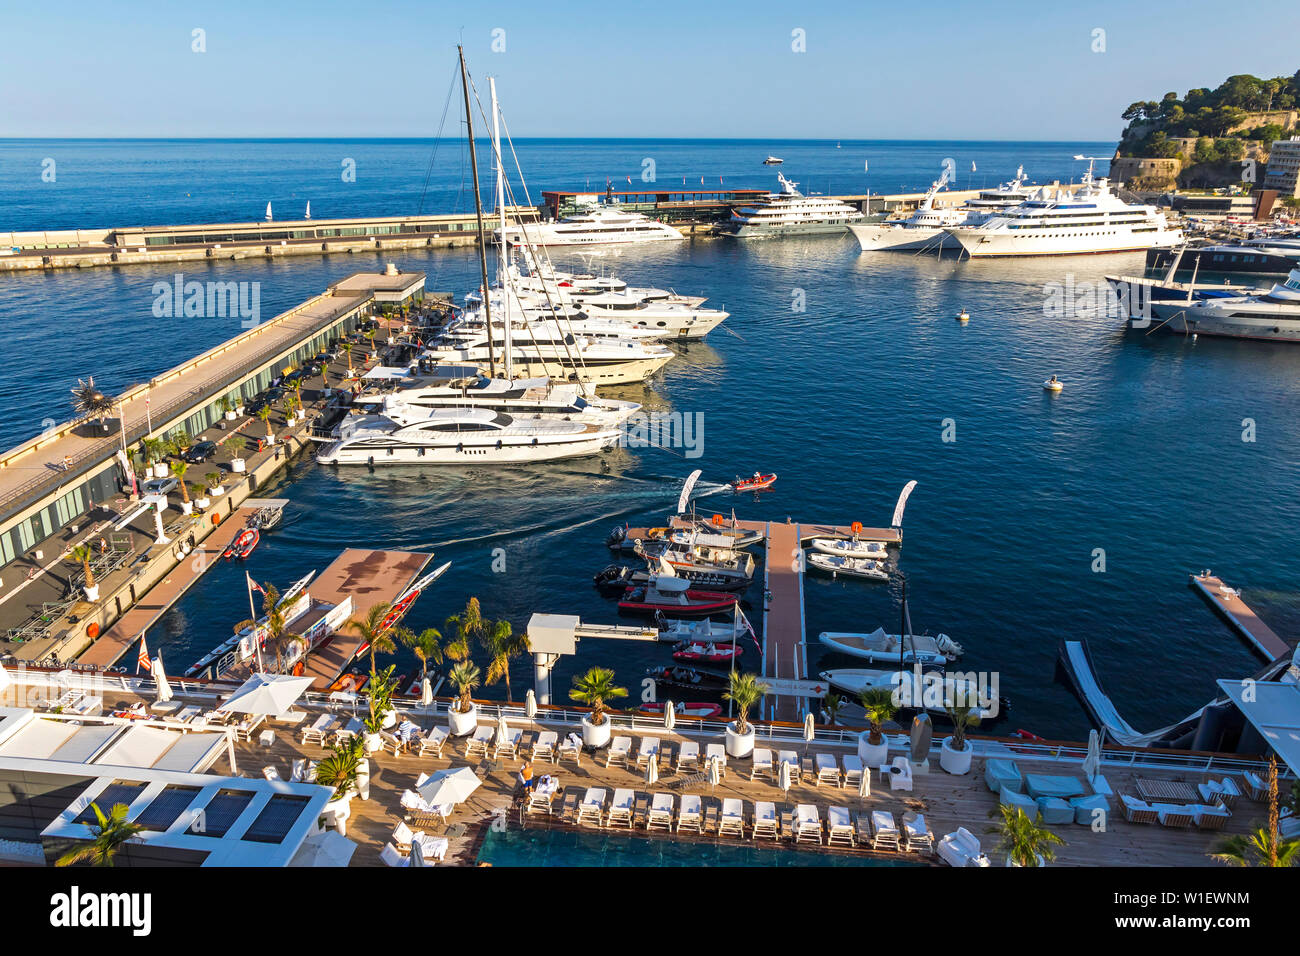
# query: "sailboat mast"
503,268
478,214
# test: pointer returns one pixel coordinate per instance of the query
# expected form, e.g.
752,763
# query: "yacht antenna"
478,213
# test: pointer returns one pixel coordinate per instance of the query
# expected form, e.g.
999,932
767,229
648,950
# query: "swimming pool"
542,847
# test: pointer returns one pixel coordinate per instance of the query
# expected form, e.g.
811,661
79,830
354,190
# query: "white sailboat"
268,212
308,213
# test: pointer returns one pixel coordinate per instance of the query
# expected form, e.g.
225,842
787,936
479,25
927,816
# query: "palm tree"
501,643
155,449
180,441
963,718
83,553
880,708
593,689
277,633
338,769
110,833
372,631
426,646
467,626
264,413
213,478
1263,846
745,691
1025,841
832,704
178,469
347,350
464,676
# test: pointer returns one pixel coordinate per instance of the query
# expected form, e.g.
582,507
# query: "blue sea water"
1142,456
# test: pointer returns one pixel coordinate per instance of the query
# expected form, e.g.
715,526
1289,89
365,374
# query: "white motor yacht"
594,224
1273,315
791,213
611,361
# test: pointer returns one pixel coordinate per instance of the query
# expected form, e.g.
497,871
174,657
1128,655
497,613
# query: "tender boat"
617,578
717,534
243,545
934,693
770,161
881,646
708,653
353,682
687,709
698,632
688,677
725,568
851,548
757,483
675,596
266,518
835,564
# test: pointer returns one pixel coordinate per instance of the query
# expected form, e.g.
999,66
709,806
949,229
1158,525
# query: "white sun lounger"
619,750
592,808
766,822
402,837
886,831
716,750
544,745
828,770
270,773
839,827
688,755
620,811
691,816
431,743
509,746
434,847
762,764
321,728
649,750
478,744
661,812
852,770
733,818
917,833
392,857
792,758
570,746
807,824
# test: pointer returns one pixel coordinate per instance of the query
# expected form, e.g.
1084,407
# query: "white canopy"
267,694
450,786
327,848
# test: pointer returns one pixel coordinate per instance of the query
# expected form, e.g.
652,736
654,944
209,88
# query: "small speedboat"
851,548
708,653
1053,384
352,682
687,677
617,578
675,596
886,648
758,482
244,544
773,161
266,518
686,709
836,564
698,632
935,692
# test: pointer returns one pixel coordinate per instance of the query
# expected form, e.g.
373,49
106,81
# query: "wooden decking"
1236,612
113,643
784,654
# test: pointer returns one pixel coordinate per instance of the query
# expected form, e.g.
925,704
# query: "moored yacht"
791,213
1273,315
925,228
613,361
593,225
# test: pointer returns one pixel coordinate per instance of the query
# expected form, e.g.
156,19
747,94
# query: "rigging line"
428,173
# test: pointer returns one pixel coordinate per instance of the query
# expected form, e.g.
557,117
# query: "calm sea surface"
1141,456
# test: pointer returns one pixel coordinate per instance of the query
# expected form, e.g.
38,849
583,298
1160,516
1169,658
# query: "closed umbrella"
503,732
530,704
651,771
715,770
921,737
1092,760
670,715
5,679
417,853
783,777
426,693
864,785
809,731
160,678
449,786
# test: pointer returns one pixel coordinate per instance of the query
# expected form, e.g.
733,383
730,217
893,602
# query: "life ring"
216,519
716,519
857,527
92,631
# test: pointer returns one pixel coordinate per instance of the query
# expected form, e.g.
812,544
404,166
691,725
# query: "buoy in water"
963,316
1053,384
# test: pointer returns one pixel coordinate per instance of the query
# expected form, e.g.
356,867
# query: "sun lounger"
1175,815
807,824
792,758
619,751
839,827
620,810
479,742
660,814
434,847
1090,810
431,742
719,751
422,813
852,770
1002,774
591,810
1211,816
320,729
762,764
649,750
544,745
245,729
916,832
401,838
270,773
391,743
1254,786
962,848
765,821
688,755
828,771
298,770
570,748
508,747
1137,811
540,800
392,857
886,831
732,822
691,816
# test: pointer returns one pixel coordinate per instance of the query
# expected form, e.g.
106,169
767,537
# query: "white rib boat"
851,547
935,692
837,564
884,647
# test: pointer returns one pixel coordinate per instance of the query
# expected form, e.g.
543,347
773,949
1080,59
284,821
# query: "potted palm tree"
347,350
264,413
155,454
745,691
372,631
379,695
178,469
82,553
1025,842
273,625
227,406
201,501
462,715
955,751
594,688
873,748
110,832
1263,846
502,644
338,769
213,478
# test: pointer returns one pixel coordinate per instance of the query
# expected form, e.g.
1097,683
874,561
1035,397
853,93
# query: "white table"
266,738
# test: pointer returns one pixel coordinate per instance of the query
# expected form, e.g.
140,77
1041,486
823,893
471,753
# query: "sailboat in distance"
307,215
268,212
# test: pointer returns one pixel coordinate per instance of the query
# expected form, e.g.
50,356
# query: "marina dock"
1229,605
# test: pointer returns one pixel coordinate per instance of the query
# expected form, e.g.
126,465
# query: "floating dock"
1228,603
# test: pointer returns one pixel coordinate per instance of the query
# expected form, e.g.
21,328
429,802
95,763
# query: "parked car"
270,396
201,452
158,486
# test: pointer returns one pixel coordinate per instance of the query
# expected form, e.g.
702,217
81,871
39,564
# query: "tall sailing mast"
503,267
478,212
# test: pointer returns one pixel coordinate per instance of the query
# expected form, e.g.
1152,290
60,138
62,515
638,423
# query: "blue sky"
938,70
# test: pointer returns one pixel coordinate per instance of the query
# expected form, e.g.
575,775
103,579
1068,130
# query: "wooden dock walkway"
1228,603
113,643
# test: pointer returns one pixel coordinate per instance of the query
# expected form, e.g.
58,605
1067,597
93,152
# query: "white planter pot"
92,593
213,492
239,411
231,416
187,507
596,735
873,755
270,440
160,470
202,503
955,761
739,745
374,743
1010,862
458,724
237,465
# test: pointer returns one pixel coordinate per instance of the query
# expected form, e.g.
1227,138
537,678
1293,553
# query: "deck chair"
732,822
431,742
391,857
807,824
1135,810
852,770
323,726
541,802
620,810
270,773
649,750
391,743
796,766
570,748
691,816
510,746
1254,787
1175,816
1211,817
688,755
402,837
886,831
592,807
477,745
828,771
916,832
903,779
839,827
762,764
298,770
544,745
719,751
619,751
765,822
660,814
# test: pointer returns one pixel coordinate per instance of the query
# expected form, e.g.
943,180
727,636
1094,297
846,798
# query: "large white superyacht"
594,224
1271,316
791,213
925,228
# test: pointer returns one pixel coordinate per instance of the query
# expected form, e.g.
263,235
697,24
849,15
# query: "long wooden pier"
1228,603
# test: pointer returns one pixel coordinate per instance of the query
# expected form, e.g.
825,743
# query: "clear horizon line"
630,139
